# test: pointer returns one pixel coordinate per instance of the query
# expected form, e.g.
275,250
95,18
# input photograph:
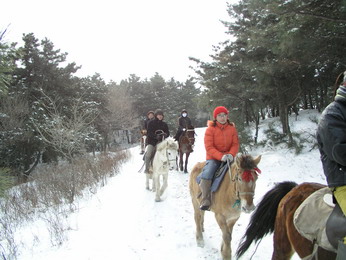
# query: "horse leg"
147,181
157,187
153,188
226,228
181,156
199,220
164,183
142,146
186,161
283,249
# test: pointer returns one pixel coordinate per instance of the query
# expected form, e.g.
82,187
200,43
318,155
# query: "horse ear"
173,144
257,159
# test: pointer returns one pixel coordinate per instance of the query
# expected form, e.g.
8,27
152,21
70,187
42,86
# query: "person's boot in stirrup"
205,188
341,255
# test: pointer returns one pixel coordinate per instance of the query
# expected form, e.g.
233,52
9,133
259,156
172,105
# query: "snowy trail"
123,221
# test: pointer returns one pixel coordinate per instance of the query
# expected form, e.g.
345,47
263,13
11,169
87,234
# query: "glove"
226,157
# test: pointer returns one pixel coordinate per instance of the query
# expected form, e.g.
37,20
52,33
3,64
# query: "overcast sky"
117,38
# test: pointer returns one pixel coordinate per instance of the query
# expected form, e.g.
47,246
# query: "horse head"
143,132
170,147
189,133
244,175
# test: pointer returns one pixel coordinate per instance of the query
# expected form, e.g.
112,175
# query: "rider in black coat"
157,131
184,122
331,138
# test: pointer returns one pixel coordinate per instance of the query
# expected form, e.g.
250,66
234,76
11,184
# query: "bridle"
238,177
160,132
169,161
191,139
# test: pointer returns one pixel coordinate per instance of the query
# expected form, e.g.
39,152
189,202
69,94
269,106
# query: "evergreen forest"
278,57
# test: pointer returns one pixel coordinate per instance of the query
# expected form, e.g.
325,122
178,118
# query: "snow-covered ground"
122,221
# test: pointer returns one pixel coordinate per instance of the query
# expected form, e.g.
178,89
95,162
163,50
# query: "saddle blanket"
311,217
218,177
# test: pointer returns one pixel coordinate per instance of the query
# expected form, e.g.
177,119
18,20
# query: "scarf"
341,94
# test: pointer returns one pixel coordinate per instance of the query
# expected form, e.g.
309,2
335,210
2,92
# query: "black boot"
341,254
205,188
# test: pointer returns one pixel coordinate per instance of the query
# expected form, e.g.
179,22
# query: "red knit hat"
219,110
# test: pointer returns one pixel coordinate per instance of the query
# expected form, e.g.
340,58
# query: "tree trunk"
285,122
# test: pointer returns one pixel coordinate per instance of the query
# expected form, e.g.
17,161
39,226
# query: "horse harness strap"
238,193
246,193
314,252
189,138
169,160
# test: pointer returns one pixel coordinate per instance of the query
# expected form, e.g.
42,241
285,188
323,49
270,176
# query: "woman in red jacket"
221,144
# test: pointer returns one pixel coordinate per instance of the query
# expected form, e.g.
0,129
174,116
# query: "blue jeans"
209,169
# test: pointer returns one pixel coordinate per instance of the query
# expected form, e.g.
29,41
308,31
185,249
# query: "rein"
191,139
246,176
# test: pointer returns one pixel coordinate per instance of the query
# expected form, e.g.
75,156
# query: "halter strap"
247,179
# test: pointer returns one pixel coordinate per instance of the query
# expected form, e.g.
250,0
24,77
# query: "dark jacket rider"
331,138
157,131
184,123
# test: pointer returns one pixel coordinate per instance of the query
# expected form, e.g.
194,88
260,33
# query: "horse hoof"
157,199
200,243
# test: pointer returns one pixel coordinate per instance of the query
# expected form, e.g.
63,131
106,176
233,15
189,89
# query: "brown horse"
143,139
186,142
234,195
275,213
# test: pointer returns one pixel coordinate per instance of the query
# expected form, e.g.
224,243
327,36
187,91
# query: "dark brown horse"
275,213
186,142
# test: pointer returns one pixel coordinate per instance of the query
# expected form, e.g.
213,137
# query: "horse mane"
167,143
172,144
246,162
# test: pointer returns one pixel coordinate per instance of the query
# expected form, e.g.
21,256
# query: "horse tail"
262,220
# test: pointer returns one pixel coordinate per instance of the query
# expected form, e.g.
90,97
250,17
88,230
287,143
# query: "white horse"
164,160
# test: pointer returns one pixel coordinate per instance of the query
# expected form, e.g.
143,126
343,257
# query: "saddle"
218,177
320,222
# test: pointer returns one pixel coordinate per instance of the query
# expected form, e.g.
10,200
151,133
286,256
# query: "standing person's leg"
206,178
